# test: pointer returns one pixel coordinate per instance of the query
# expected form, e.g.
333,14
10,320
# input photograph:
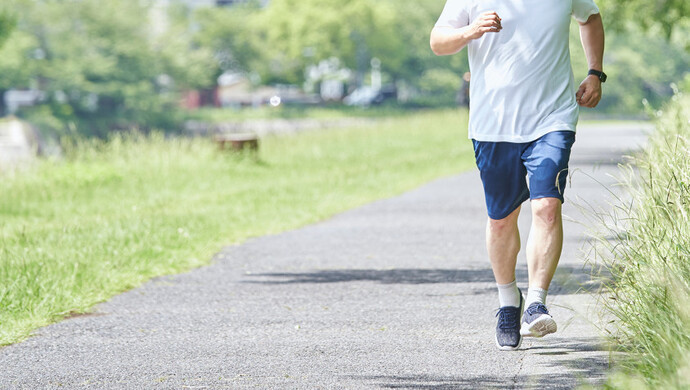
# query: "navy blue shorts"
506,168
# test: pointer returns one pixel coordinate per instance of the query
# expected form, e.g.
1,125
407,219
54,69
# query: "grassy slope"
116,214
649,292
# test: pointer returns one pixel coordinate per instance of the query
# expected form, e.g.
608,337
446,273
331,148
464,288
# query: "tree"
7,23
13,52
414,20
636,72
100,64
279,41
298,33
233,36
667,15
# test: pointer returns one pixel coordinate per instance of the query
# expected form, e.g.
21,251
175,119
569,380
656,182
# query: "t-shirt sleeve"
454,14
583,9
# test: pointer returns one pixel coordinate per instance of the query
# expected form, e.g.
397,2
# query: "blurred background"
92,67
113,111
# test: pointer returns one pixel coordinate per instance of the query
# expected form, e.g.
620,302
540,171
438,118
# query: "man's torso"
522,84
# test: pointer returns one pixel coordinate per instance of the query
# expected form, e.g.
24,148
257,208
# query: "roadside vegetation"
104,66
644,245
115,213
326,112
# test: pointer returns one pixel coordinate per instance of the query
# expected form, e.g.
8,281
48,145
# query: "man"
523,113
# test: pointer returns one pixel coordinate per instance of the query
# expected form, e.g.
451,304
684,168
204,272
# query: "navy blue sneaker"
537,322
508,336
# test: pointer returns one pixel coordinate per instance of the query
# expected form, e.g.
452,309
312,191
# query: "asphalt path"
395,294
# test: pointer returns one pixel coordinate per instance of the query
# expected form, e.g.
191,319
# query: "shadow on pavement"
550,381
584,366
568,279
571,372
563,346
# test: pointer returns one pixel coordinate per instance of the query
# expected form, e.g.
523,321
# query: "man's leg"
503,245
547,163
505,189
545,242
543,252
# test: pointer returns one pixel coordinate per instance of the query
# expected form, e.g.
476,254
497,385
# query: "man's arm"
448,40
592,37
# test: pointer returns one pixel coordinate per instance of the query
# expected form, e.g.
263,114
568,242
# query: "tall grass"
645,246
118,212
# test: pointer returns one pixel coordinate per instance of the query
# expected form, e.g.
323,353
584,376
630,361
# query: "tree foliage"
637,72
8,22
234,37
279,41
100,64
304,32
112,64
15,69
666,15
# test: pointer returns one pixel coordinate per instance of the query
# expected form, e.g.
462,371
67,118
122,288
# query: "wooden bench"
238,141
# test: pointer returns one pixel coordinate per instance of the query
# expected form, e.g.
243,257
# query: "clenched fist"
485,22
589,93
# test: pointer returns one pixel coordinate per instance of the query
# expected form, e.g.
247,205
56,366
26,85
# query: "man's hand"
589,93
446,40
485,22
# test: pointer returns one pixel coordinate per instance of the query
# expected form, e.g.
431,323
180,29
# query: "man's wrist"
468,33
595,72
593,77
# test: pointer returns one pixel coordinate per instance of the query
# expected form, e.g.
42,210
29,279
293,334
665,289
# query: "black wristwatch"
600,75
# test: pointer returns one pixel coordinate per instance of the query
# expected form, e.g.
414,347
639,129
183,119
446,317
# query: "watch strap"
601,75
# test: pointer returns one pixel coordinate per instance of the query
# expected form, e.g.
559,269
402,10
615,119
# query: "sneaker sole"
507,347
540,327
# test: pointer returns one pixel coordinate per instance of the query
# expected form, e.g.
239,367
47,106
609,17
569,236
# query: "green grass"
114,214
336,111
647,295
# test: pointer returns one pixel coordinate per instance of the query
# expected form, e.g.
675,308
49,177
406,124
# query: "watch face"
600,75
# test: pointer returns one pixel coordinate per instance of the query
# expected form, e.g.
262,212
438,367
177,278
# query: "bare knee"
500,226
546,211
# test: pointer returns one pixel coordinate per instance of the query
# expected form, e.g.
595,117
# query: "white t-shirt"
522,84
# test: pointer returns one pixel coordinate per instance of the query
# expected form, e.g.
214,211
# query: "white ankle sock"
536,294
508,294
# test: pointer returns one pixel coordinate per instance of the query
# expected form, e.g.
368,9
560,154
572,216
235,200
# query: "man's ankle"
536,294
508,294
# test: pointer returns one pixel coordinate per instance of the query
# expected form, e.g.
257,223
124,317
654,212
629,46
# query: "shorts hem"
518,204
542,196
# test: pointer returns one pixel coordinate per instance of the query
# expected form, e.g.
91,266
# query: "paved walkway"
395,294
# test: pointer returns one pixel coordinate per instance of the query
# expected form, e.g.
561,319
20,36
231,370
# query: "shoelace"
508,317
538,308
